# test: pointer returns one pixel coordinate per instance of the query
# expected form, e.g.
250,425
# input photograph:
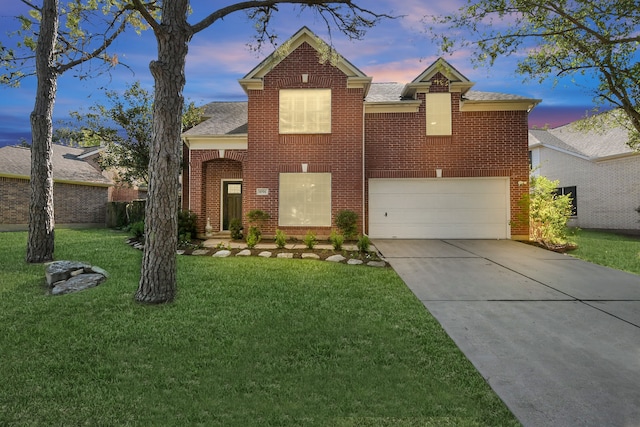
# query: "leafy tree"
548,212
173,34
51,41
121,126
596,38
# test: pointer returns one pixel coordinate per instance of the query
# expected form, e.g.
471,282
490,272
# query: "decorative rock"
377,264
336,258
245,252
265,254
311,256
285,255
61,270
222,254
78,283
180,252
97,270
354,262
77,272
199,252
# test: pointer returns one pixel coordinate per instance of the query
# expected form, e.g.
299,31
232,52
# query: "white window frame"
438,112
304,200
305,111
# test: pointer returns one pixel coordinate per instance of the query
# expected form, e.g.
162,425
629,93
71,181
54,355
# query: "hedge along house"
429,159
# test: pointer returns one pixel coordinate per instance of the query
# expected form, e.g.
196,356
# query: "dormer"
441,74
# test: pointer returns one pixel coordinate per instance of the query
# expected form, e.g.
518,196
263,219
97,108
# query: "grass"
611,250
248,342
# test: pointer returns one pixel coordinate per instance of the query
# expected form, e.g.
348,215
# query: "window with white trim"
305,111
438,107
305,199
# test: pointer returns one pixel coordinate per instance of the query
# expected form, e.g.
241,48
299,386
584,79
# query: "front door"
231,202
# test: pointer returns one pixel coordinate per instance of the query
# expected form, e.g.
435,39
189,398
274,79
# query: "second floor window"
305,111
438,106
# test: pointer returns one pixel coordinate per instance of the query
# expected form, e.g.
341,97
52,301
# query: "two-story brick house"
429,159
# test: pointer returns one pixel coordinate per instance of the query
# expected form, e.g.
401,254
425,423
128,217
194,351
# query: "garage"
439,208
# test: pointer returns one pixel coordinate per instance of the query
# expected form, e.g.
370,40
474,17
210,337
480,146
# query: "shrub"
257,216
548,212
281,239
310,239
137,229
347,222
364,243
235,227
253,237
186,225
336,240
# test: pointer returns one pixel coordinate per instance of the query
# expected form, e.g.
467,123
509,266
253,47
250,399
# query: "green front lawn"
248,342
611,250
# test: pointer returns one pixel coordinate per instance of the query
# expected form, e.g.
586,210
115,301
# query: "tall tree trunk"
158,281
40,245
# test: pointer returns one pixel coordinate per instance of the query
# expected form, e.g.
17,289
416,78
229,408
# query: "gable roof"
15,162
607,143
253,80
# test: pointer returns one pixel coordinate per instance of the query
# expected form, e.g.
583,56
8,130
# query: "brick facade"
387,144
73,204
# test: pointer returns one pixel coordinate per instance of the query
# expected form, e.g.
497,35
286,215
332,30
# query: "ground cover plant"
248,341
612,250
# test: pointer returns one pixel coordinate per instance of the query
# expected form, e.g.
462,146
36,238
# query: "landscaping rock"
222,254
377,264
61,270
265,254
180,252
310,256
65,277
354,262
200,252
285,255
336,258
78,283
245,252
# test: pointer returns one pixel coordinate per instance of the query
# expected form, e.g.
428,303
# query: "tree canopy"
554,39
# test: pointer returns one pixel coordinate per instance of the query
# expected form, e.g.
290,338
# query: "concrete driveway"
557,338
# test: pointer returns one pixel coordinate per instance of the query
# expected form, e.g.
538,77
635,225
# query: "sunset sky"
394,51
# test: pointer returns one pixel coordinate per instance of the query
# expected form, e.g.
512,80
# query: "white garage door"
439,208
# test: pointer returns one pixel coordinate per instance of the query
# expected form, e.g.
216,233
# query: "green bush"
186,225
310,239
336,240
347,222
364,243
548,212
235,227
281,239
257,216
253,237
137,229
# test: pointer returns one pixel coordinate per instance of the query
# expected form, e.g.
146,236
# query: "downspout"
364,180
189,173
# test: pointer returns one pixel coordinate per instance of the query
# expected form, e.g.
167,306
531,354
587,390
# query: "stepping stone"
310,256
245,252
265,254
285,255
336,258
199,252
354,262
377,264
222,254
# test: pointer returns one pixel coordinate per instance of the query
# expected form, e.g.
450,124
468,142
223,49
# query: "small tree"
548,212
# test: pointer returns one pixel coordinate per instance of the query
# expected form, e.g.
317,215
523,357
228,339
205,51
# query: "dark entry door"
231,202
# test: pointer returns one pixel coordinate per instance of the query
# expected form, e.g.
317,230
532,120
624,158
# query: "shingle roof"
384,92
16,161
593,144
476,95
225,118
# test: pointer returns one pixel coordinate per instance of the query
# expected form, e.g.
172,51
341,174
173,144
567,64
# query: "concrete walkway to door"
557,338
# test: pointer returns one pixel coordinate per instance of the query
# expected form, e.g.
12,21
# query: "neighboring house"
80,191
429,159
598,169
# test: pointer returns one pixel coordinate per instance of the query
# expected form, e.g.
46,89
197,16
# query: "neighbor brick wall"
270,153
482,144
73,204
608,191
